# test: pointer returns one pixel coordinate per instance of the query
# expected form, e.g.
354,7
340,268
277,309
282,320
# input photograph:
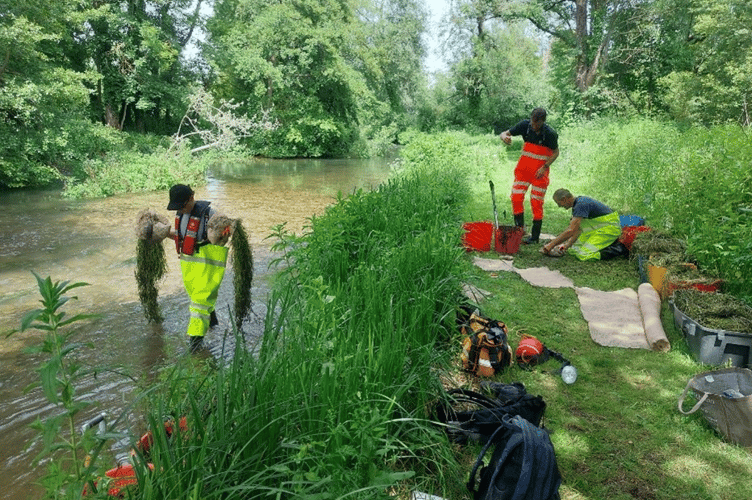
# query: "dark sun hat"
179,196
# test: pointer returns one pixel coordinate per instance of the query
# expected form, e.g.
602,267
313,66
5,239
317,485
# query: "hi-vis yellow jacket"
597,234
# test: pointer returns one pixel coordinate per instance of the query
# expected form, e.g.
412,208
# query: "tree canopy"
82,78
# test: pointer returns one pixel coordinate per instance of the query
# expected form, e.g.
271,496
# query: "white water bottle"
569,374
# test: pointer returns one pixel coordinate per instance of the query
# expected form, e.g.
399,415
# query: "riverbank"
338,400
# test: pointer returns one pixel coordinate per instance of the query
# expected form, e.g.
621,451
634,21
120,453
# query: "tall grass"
336,402
693,182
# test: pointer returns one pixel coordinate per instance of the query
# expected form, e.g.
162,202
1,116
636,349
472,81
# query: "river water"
93,241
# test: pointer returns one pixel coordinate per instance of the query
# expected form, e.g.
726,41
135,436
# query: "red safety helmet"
530,352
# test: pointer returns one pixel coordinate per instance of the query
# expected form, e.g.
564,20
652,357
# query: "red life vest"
186,244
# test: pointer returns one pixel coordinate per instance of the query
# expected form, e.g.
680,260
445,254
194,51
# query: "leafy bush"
693,182
128,172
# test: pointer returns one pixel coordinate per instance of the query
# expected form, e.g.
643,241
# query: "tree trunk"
581,33
110,118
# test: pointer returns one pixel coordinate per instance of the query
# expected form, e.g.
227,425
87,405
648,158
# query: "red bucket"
508,239
478,236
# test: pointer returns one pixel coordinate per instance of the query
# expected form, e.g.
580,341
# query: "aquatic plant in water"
242,266
151,266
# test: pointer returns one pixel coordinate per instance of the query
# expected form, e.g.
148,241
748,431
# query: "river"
93,241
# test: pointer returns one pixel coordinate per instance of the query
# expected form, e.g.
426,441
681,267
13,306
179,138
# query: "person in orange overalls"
540,150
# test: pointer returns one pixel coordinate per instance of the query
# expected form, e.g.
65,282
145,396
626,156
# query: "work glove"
152,226
558,251
219,229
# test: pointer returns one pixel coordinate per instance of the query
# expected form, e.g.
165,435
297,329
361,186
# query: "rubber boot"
197,343
535,233
519,220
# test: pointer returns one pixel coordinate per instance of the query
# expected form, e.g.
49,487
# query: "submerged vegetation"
242,266
150,269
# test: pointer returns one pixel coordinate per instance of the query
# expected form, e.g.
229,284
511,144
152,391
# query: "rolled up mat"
650,306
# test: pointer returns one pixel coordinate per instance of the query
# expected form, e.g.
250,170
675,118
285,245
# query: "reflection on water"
93,241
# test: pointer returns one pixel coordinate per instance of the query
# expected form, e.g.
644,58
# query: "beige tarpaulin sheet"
623,318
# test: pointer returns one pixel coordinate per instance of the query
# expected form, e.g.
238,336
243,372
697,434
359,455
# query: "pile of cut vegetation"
657,245
660,249
716,311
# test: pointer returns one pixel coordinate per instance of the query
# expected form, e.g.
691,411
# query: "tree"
38,95
498,72
322,68
390,50
215,126
718,86
136,47
655,40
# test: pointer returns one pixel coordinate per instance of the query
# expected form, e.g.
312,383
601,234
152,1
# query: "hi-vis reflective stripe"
200,307
538,193
520,187
202,260
484,362
597,234
535,156
536,151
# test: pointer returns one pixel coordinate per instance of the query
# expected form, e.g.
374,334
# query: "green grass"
617,431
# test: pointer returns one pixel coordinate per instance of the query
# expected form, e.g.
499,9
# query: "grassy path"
617,431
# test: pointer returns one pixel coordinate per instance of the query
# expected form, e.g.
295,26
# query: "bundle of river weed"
242,266
653,242
151,262
717,311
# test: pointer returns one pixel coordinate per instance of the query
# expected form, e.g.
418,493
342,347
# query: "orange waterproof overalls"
533,157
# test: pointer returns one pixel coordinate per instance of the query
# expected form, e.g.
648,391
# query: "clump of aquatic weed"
649,243
242,265
718,311
151,266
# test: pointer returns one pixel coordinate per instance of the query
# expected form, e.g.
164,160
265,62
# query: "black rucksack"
522,466
523,463
475,416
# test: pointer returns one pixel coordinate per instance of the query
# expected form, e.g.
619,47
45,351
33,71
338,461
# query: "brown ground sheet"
622,318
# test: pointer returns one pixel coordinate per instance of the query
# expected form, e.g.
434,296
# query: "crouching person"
593,231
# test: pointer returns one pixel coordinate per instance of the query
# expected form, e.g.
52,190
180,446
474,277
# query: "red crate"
508,239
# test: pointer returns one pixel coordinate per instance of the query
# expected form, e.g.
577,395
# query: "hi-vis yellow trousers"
202,274
597,234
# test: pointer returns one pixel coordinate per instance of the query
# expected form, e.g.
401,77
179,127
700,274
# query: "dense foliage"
323,68
84,82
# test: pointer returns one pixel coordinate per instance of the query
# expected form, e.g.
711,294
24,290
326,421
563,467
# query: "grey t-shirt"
588,208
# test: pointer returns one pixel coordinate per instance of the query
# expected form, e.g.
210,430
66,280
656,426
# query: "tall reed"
336,402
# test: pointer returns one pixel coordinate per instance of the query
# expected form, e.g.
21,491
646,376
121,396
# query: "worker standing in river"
202,259
540,150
